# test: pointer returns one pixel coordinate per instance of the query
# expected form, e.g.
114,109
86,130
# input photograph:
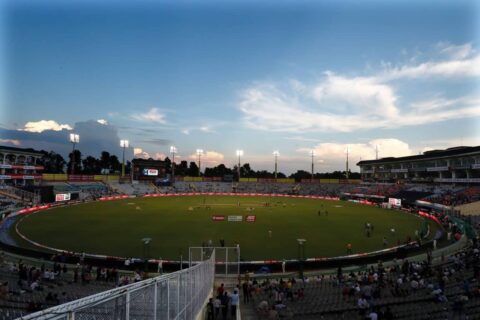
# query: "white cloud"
336,152
450,68
206,129
14,142
345,104
456,51
209,158
153,115
357,95
453,142
102,121
301,138
42,125
140,153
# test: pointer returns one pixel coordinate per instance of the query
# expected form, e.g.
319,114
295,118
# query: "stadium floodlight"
312,154
239,154
199,154
123,144
376,151
74,139
276,154
347,152
173,150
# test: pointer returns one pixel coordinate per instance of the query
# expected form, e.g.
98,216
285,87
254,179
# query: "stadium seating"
329,298
17,298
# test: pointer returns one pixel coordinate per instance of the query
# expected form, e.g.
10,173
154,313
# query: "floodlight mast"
239,154
199,153
346,172
173,150
276,154
312,154
74,139
123,144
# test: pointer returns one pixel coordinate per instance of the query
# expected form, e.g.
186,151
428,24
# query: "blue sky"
259,76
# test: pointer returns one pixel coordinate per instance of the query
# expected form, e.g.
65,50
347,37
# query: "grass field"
176,223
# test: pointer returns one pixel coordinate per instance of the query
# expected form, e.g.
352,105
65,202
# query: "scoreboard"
148,169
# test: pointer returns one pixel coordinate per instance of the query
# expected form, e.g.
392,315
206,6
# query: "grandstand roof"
20,150
433,154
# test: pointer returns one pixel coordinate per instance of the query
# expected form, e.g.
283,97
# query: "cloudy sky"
258,76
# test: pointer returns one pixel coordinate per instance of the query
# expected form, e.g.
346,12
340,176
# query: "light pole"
239,154
173,150
376,152
123,144
312,154
346,172
276,154
199,153
146,243
301,255
74,139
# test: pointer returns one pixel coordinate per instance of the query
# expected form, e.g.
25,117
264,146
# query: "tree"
301,174
53,162
105,160
77,157
168,165
128,167
218,171
245,170
115,165
181,170
91,165
192,169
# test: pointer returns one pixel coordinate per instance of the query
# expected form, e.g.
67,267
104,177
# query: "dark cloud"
94,138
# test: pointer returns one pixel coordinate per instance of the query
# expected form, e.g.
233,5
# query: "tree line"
109,163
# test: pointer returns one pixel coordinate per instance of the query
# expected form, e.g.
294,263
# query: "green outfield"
176,223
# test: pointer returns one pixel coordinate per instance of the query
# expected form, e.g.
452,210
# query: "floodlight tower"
239,154
74,139
348,151
276,154
312,154
173,150
199,154
123,144
376,152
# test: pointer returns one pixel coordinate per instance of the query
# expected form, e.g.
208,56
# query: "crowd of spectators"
26,288
447,289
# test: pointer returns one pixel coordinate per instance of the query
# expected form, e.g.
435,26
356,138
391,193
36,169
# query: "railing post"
127,306
226,261
168,299
178,294
155,300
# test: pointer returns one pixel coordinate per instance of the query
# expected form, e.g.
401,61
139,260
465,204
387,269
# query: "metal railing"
178,295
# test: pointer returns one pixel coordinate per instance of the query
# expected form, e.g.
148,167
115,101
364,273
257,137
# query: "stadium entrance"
227,259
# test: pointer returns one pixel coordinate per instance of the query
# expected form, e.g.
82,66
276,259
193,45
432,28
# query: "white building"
453,165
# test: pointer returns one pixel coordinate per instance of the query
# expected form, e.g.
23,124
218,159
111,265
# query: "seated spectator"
4,292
